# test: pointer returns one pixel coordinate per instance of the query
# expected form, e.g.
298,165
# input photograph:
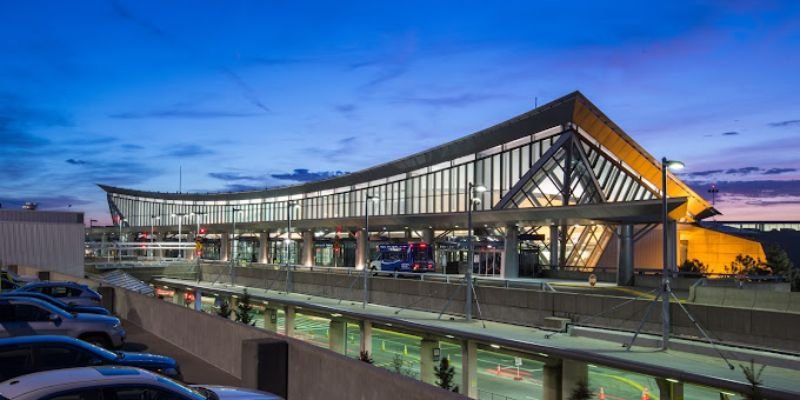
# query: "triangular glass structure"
576,173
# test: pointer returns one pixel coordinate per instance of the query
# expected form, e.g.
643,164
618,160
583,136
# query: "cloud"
45,202
460,100
304,175
144,24
704,173
235,176
182,114
776,171
743,171
342,148
236,187
783,124
76,162
348,110
275,61
730,133
753,189
18,119
768,203
245,88
189,150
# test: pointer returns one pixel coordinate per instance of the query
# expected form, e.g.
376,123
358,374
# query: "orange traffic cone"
602,394
645,394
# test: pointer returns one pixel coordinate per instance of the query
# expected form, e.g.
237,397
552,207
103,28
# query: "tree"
581,391
753,376
747,265
224,309
244,310
693,266
782,265
365,357
399,366
444,375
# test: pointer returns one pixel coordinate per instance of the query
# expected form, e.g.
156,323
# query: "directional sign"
518,361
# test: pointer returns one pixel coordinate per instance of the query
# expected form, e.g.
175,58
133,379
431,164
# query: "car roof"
33,295
39,339
30,300
74,378
55,283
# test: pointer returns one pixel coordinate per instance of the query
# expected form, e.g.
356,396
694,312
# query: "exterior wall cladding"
565,154
42,239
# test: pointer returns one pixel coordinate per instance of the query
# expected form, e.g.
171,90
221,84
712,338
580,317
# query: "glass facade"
555,167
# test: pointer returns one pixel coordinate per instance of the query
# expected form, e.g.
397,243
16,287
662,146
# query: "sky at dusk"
242,95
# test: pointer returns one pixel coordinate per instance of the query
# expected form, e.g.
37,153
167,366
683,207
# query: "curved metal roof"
573,108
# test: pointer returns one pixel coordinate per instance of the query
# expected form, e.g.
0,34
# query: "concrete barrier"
313,373
528,307
747,298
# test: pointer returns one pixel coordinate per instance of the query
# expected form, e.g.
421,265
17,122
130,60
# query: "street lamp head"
476,201
673,164
479,188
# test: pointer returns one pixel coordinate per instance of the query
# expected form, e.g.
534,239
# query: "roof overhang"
634,212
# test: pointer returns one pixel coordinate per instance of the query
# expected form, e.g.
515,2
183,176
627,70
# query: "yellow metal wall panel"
717,249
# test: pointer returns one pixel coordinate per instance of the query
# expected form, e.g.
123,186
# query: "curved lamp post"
472,191
667,268
370,199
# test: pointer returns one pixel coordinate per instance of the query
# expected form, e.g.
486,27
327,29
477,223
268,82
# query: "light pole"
234,246
290,206
180,227
152,232
471,191
370,198
666,270
121,220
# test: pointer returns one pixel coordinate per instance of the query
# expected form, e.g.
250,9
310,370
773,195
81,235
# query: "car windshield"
193,392
206,393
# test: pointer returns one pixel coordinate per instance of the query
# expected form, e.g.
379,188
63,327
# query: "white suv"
118,383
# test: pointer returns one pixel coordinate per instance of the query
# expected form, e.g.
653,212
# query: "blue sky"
246,94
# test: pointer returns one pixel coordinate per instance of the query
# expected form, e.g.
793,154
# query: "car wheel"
374,270
97,340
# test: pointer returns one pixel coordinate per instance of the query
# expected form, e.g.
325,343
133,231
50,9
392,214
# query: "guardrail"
426,276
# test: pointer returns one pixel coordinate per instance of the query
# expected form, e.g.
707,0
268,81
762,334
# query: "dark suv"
28,354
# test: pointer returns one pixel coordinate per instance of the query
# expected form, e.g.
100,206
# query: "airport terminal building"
558,187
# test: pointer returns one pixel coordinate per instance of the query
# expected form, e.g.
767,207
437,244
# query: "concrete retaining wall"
314,373
529,307
747,298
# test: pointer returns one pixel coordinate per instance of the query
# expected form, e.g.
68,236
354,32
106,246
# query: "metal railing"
487,395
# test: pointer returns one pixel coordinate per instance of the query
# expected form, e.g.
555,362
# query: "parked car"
118,383
21,316
10,281
58,303
28,354
68,292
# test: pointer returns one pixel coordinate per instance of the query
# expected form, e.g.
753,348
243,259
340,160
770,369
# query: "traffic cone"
645,394
602,394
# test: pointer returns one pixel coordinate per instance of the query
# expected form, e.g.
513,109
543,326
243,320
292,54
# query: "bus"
404,257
